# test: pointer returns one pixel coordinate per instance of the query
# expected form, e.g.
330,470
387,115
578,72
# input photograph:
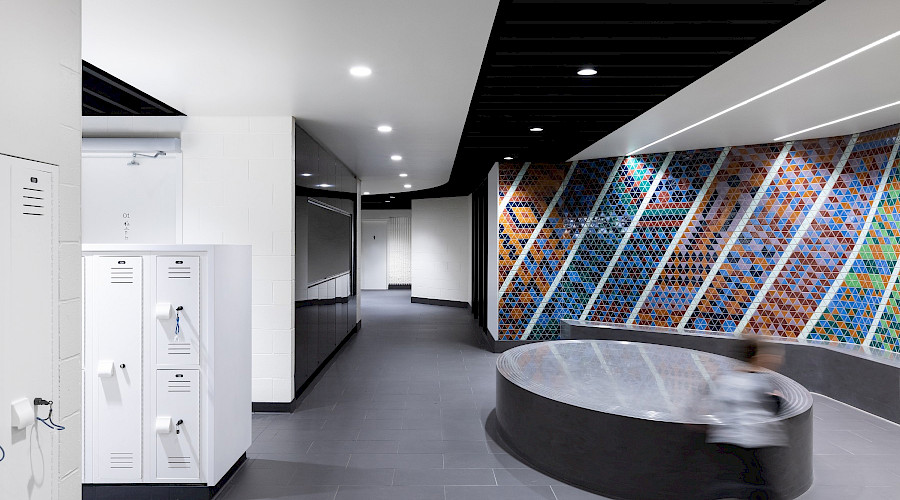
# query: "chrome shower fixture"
135,155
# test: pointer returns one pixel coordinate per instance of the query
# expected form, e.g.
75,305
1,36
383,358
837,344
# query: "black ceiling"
103,94
644,51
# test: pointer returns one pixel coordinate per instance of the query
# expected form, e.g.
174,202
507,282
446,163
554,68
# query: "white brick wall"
40,44
239,189
441,250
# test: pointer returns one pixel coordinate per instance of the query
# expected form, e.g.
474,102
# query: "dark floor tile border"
499,346
399,287
159,491
303,390
438,302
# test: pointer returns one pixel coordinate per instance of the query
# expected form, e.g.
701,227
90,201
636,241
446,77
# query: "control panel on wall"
115,316
177,310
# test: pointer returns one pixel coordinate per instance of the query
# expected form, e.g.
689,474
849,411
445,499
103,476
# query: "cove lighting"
407,186
365,192
385,128
536,129
775,88
507,157
587,72
360,71
306,174
403,175
396,157
832,122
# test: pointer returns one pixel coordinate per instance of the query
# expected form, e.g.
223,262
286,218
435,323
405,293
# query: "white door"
178,310
374,255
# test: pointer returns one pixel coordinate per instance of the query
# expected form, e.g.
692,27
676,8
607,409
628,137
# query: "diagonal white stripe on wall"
798,236
565,267
748,214
860,241
536,232
627,236
512,188
674,244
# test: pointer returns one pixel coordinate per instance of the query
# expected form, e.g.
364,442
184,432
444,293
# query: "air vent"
178,382
179,348
121,274
33,202
179,462
121,460
179,272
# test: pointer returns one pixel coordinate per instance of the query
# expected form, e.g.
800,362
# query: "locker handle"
105,368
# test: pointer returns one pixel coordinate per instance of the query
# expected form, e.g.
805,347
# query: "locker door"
177,424
178,334
116,298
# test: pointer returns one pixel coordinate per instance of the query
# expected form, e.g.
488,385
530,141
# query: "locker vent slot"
33,202
179,272
179,348
121,460
179,383
121,274
179,462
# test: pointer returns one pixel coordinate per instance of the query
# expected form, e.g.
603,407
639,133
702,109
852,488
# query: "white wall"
493,251
442,249
239,189
374,248
40,119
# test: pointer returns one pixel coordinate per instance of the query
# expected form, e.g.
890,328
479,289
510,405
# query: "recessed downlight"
407,186
536,129
587,72
360,71
392,197
387,201
306,174
396,157
385,128
403,175
365,192
507,157
324,185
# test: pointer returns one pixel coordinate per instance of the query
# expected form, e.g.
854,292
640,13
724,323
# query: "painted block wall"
796,239
441,255
40,119
239,189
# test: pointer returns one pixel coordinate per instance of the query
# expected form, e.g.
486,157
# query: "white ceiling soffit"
292,57
831,30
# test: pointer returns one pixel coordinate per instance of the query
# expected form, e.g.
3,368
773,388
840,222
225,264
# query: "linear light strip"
776,88
860,241
798,236
832,122
535,233
565,267
675,239
748,214
627,236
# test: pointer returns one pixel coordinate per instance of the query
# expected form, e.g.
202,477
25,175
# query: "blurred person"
744,404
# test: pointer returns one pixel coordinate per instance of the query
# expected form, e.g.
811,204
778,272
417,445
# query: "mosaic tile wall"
790,239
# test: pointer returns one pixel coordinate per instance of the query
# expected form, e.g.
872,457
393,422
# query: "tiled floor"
401,414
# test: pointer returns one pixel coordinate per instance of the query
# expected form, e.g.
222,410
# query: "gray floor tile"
458,477
499,493
390,493
397,461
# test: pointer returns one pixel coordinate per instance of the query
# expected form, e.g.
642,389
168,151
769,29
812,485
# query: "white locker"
178,424
177,317
28,282
115,301
178,310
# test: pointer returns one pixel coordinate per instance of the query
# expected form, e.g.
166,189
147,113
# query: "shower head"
135,155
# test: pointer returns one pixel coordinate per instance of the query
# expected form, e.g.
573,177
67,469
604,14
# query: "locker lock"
177,425
122,366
